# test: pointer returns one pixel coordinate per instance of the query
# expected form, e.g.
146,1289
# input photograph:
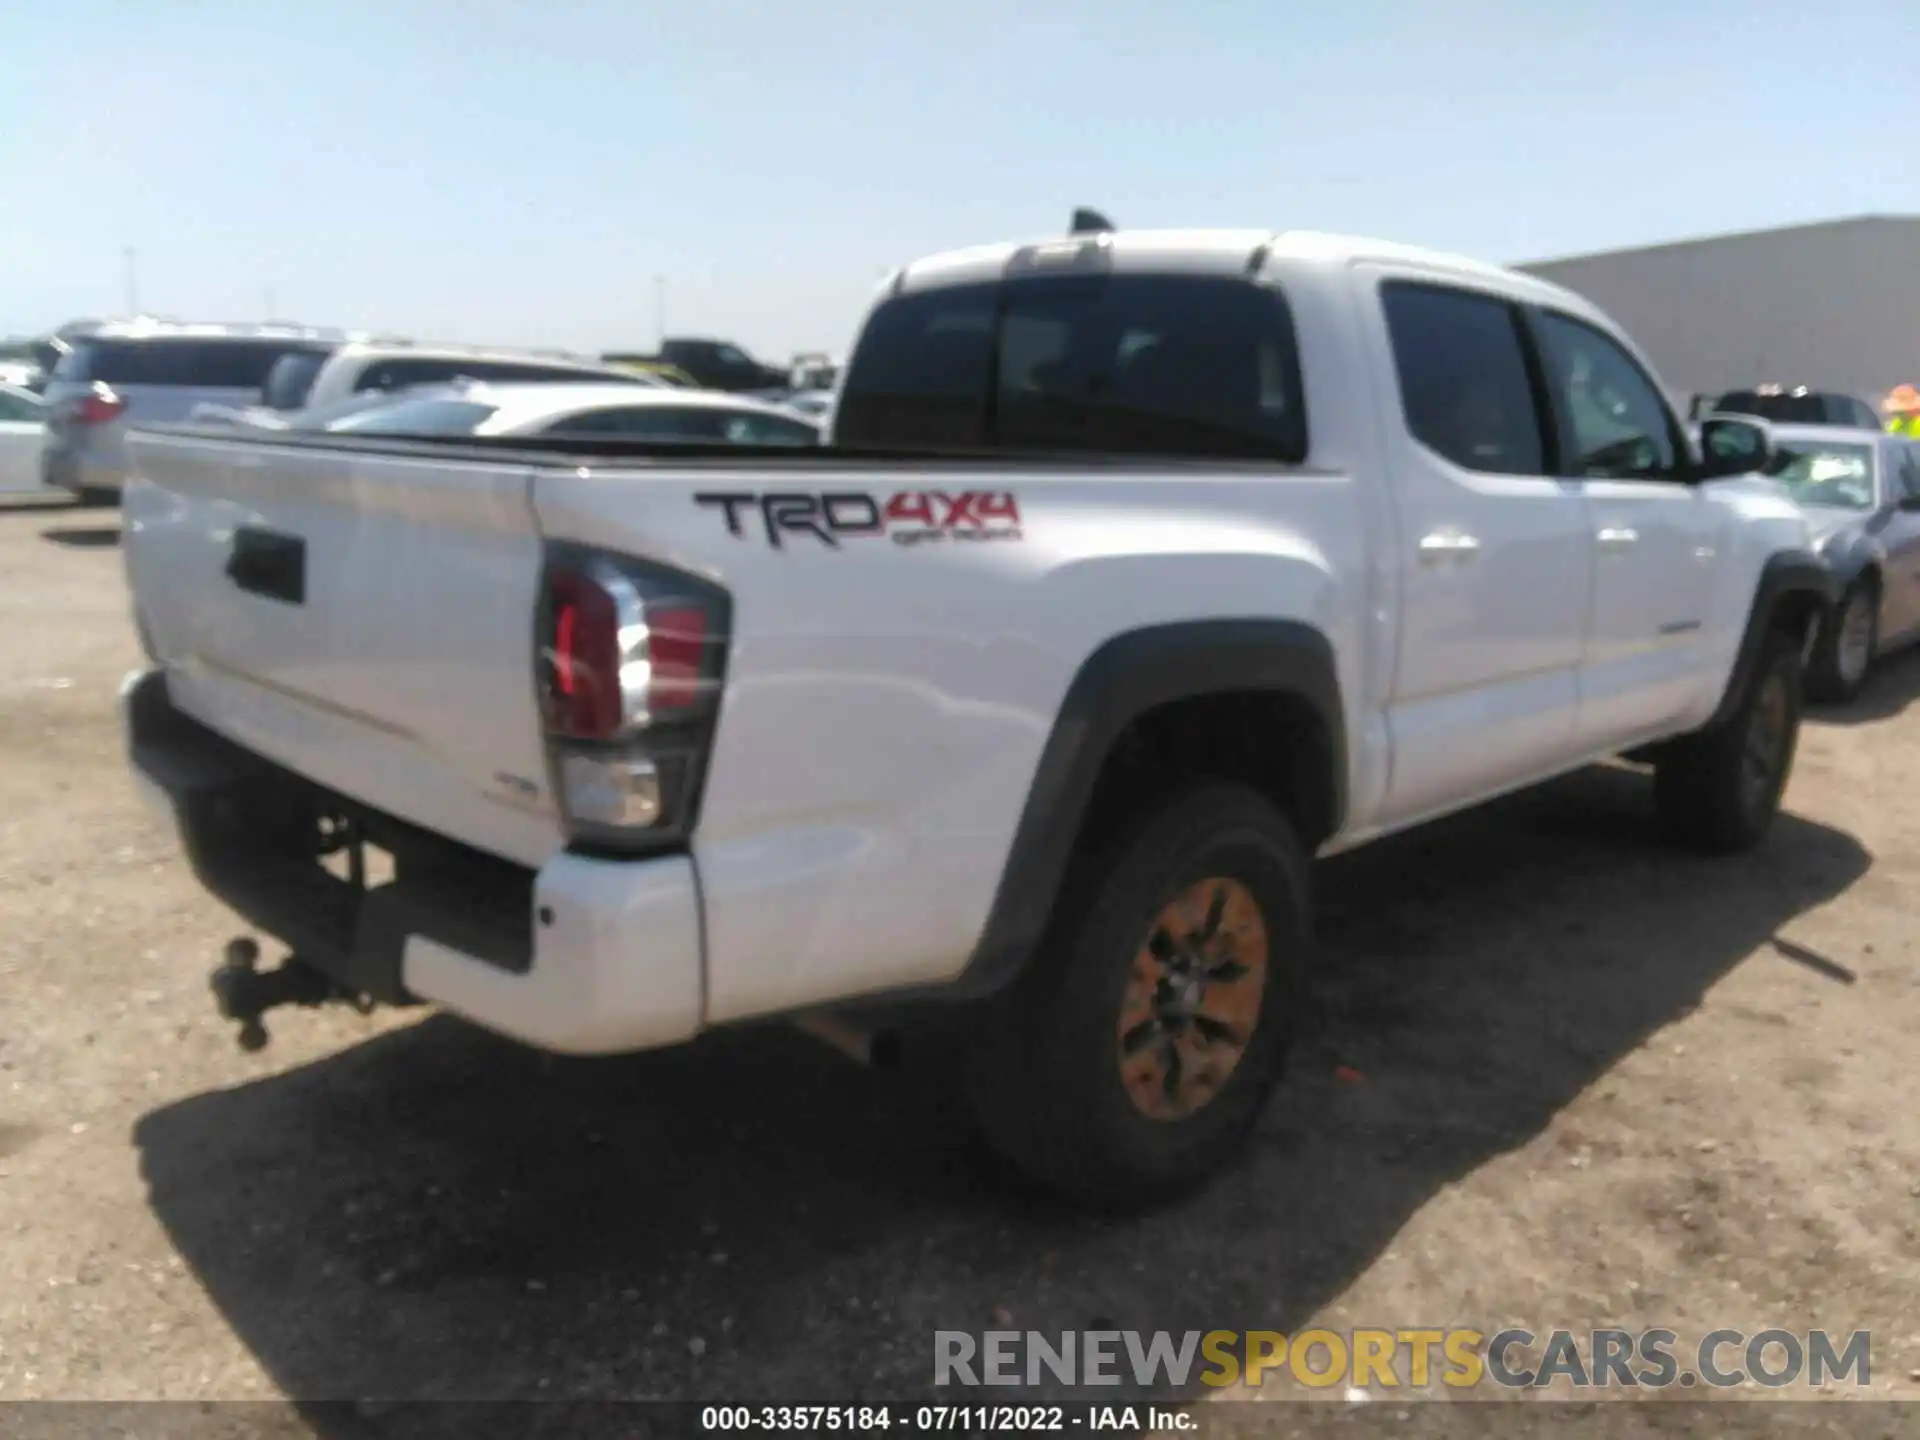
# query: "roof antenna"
1090,222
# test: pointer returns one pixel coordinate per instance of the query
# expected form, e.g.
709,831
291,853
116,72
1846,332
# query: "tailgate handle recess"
265,562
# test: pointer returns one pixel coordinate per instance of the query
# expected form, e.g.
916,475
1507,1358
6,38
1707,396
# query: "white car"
23,435
321,375
817,404
600,412
1021,708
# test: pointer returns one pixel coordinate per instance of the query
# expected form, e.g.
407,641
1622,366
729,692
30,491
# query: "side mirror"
1730,446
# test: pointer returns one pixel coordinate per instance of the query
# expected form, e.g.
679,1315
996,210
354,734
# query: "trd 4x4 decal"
909,517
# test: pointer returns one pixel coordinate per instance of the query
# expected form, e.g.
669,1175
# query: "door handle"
269,564
1447,545
1617,537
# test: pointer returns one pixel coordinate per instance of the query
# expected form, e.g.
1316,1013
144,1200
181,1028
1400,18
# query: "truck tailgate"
335,610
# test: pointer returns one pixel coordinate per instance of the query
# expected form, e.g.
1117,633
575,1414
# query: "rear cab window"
1177,365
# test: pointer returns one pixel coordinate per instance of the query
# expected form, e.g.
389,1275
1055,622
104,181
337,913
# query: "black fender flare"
1126,677
1789,577
1851,558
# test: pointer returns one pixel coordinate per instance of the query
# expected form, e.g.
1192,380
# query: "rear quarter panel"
887,701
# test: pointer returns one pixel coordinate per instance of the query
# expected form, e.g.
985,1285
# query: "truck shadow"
82,537
438,1214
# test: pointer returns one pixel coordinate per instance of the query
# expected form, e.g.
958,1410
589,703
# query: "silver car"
147,373
1860,490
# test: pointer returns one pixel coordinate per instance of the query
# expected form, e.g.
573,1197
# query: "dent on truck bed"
1129,676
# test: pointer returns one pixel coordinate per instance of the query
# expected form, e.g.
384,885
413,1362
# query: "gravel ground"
1560,1076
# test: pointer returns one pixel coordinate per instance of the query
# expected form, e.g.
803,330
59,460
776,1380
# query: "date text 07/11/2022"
945,1419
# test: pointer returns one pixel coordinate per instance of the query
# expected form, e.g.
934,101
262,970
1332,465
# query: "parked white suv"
123,374
1143,568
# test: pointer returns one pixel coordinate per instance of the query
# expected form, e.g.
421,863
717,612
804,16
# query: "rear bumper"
582,956
76,474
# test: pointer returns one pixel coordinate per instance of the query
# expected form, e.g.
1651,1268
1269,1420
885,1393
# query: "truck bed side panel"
887,701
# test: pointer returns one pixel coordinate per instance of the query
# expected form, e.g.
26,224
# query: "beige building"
1832,306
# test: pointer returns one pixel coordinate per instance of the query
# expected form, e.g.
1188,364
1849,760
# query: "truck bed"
905,628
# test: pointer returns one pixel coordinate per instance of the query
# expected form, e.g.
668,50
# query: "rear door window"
1465,387
1120,364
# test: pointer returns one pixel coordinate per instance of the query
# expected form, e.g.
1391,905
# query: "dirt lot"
1561,1076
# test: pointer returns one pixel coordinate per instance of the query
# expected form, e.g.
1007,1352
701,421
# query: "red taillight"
676,651
97,408
582,692
632,661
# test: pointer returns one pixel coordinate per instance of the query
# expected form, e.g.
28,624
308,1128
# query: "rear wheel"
1718,791
1845,650
1131,1059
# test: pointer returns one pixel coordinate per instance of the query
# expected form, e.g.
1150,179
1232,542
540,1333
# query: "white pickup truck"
1143,568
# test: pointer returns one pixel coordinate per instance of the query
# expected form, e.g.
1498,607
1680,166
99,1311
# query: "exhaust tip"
879,1049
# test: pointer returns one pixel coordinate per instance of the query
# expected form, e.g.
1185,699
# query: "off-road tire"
1709,788
1825,682
1043,1065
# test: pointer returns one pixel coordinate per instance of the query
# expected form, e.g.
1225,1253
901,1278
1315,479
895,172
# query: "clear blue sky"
519,172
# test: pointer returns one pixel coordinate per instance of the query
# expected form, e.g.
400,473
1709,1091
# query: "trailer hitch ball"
230,982
244,993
